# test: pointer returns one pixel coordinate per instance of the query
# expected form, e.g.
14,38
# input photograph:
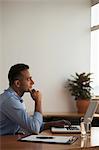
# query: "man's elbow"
36,129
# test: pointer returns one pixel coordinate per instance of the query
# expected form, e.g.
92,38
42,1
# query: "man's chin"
29,90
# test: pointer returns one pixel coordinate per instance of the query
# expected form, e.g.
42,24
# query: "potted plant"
79,87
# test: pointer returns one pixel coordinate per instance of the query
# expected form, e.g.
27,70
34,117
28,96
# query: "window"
95,48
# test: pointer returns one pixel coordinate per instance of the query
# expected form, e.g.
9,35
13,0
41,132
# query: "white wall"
1,83
0,35
53,37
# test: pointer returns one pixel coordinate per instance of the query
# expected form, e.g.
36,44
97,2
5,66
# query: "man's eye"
28,79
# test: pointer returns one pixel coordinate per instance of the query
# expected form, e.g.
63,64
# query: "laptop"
91,110
76,128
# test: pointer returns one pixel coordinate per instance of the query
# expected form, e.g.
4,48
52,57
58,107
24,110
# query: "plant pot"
82,105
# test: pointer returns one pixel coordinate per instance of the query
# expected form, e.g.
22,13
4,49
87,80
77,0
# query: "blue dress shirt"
13,115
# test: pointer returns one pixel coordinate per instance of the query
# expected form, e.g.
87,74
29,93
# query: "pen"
44,137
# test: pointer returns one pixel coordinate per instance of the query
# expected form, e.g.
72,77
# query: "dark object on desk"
59,123
74,118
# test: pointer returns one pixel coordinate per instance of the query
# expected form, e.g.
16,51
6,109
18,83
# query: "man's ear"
17,83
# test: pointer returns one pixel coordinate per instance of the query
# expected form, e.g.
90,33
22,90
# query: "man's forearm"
38,106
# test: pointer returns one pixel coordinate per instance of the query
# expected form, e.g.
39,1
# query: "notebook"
76,128
49,139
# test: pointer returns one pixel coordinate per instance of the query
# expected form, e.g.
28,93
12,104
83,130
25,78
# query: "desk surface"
62,114
10,142
65,114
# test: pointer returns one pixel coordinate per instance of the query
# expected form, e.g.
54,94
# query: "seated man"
13,115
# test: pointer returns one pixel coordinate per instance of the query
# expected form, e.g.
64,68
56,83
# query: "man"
13,115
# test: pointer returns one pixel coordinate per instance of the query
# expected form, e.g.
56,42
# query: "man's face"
26,81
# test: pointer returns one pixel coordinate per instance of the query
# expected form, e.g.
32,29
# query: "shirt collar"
14,93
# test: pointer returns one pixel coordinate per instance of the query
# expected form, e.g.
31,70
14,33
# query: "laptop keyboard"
72,128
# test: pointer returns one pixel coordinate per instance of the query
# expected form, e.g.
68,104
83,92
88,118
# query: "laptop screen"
91,110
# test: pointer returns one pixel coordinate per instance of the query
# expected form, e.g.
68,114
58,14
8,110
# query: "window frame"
94,28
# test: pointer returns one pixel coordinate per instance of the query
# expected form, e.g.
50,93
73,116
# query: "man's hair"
15,72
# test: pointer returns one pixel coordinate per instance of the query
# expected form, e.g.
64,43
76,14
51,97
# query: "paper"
50,139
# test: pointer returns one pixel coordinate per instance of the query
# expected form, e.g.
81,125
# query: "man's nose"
32,81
